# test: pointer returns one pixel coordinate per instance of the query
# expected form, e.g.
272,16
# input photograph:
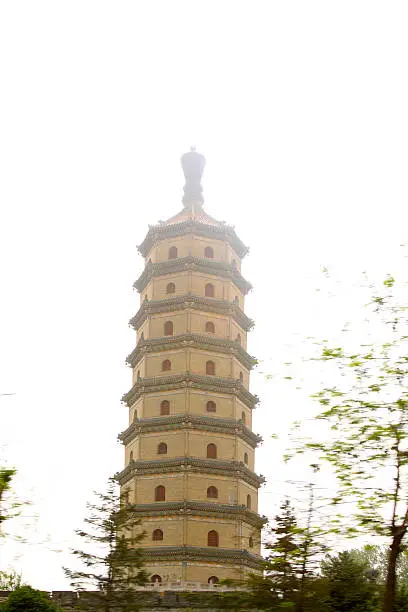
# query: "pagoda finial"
193,165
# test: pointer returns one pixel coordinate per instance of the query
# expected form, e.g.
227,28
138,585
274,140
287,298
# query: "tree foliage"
9,581
117,568
366,411
6,477
292,558
284,558
26,599
349,585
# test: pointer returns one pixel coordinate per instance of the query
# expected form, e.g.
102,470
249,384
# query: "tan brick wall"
195,246
192,321
199,319
192,282
175,441
182,443
192,486
193,531
191,401
224,404
192,360
190,443
157,321
194,572
237,330
144,329
158,285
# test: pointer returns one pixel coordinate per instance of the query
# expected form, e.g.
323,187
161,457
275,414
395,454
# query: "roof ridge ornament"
193,166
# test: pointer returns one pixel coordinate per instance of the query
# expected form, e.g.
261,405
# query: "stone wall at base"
199,601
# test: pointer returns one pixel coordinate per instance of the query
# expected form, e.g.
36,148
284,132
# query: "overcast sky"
300,109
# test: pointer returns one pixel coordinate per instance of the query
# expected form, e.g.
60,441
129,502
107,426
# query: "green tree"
10,505
376,558
9,581
291,562
312,543
366,411
118,568
279,580
349,585
26,599
284,558
6,476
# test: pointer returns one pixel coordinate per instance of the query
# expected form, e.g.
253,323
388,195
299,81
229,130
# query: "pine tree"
118,568
349,585
284,554
290,565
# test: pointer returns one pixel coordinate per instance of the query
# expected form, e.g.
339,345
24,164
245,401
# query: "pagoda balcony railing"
168,465
190,421
182,264
196,302
182,585
220,232
190,380
207,343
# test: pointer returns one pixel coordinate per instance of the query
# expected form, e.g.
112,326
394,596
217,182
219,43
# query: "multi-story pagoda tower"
189,445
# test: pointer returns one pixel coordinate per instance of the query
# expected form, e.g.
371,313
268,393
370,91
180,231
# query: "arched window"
160,493
168,328
164,407
146,298
173,252
171,288
156,579
212,538
210,368
157,535
243,417
131,457
162,449
213,580
166,365
250,541
234,263
246,458
208,252
211,451
209,290
238,338
241,377
138,375
248,502
236,300
212,493
135,415
211,406
210,327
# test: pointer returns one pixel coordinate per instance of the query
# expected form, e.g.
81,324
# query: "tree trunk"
391,582
301,595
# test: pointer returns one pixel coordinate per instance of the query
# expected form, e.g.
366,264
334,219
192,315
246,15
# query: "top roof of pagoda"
192,219
196,214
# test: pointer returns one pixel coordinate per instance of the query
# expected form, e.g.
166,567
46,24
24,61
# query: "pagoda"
189,446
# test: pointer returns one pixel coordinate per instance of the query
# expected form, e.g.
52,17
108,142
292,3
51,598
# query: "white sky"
301,111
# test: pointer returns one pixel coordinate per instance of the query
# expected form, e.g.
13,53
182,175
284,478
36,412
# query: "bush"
26,599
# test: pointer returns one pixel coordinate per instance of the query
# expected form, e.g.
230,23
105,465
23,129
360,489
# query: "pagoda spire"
193,166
